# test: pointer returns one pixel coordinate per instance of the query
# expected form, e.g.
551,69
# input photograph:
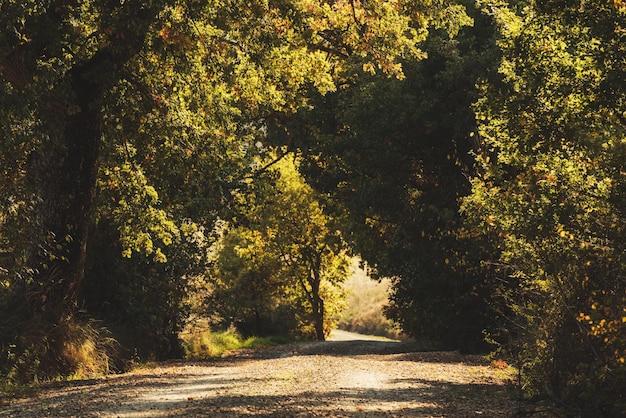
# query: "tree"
147,91
286,264
307,241
59,61
66,79
67,67
394,156
550,197
246,287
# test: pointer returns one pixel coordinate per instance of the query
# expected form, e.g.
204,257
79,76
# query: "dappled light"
295,379
239,185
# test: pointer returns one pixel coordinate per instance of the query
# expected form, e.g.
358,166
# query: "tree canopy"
394,155
472,153
155,107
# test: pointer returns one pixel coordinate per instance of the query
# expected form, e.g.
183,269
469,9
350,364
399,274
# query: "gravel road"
351,376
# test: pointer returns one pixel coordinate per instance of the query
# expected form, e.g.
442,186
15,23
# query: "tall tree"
65,58
307,241
288,257
550,196
68,67
59,60
394,155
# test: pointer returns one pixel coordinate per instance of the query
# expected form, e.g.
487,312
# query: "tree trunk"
62,175
317,302
65,175
65,171
318,318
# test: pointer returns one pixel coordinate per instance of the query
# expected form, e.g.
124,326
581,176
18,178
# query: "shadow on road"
400,351
205,388
426,397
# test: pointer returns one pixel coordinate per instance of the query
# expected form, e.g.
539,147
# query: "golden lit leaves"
620,5
134,206
608,324
379,32
175,37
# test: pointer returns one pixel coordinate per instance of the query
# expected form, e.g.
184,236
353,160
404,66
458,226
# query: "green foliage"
247,289
550,197
142,301
200,342
281,272
207,344
393,154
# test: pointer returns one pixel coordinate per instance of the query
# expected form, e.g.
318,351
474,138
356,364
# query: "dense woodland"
168,159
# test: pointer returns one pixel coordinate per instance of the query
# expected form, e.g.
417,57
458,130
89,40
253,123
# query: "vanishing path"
352,376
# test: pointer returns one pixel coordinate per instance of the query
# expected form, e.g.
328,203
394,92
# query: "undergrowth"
44,351
200,342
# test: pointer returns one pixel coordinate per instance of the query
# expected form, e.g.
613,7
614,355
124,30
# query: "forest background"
166,159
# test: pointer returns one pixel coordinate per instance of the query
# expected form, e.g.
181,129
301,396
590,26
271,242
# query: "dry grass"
365,304
87,350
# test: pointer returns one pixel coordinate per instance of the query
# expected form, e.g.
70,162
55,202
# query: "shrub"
200,342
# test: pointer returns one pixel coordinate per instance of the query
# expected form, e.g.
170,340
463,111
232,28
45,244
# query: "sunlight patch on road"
161,402
341,335
361,379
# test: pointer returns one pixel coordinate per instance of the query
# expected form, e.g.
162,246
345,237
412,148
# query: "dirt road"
353,376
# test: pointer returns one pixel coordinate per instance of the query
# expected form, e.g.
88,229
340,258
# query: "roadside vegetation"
200,343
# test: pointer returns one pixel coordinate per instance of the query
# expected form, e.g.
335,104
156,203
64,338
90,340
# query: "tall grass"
44,351
200,342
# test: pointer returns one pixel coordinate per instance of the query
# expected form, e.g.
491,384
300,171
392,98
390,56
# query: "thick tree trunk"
66,179
65,172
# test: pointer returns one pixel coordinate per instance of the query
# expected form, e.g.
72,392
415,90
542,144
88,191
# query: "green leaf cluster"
280,271
549,195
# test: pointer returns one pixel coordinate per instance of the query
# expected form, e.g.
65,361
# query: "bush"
38,350
200,342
